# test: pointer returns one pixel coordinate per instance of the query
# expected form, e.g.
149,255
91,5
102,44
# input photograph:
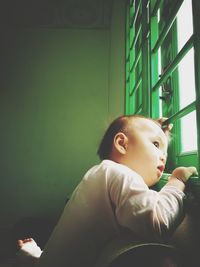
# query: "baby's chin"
151,178
154,181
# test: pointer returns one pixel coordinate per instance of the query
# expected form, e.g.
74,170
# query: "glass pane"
186,66
189,132
187,79
160,88
184,23
158,15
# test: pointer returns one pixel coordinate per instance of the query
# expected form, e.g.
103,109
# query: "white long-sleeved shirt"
109,198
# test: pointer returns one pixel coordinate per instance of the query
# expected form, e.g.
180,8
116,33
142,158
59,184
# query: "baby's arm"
150,214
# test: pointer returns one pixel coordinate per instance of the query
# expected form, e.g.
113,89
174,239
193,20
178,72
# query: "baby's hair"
120,124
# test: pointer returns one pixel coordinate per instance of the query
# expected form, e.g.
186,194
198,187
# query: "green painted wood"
167,26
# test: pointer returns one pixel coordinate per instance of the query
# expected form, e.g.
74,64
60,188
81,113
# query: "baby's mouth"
161,168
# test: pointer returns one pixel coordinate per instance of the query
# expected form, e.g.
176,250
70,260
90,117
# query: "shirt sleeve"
149,214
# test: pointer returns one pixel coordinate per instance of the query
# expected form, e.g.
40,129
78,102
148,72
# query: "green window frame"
152,68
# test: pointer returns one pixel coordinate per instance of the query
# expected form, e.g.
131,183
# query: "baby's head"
139,143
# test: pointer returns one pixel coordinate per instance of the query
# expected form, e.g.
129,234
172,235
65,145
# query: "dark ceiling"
86,14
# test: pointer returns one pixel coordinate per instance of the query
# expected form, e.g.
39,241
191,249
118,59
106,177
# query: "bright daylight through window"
186,78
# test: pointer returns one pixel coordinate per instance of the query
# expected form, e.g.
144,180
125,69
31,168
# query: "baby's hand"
184,173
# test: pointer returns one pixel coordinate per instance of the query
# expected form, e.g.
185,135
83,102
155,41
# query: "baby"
115,197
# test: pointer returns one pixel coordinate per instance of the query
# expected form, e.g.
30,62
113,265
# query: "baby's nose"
163,157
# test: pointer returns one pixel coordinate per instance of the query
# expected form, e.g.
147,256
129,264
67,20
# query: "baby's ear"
120,142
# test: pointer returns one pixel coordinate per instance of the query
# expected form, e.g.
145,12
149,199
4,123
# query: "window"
186,78
163,70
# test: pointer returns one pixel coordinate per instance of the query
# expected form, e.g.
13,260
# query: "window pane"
184,23
189,132
186,66
160,88
186,79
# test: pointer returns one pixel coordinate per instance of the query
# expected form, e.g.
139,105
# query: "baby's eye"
156,144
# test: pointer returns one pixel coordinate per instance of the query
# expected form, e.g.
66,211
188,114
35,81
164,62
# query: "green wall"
117,61
55,102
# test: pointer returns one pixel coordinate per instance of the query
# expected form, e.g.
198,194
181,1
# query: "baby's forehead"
148,126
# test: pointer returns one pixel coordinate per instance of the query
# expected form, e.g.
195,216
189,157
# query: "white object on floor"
30,249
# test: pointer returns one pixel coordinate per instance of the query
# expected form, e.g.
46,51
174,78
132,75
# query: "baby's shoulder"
120,172
113,172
